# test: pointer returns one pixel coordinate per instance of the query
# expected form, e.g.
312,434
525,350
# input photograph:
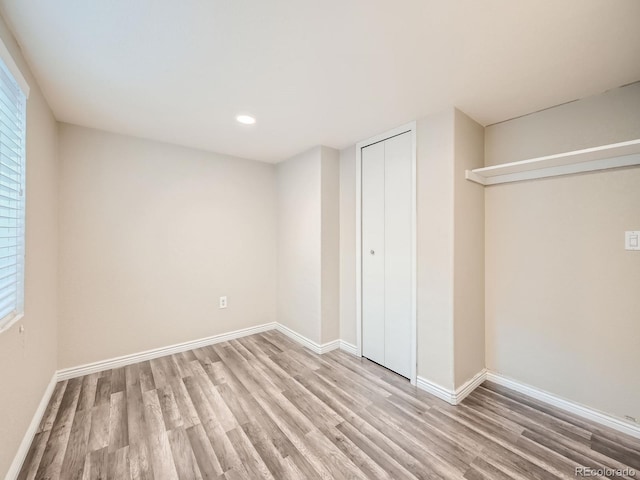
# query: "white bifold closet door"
386,253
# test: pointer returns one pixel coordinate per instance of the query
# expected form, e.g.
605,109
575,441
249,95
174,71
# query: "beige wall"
308,244
299,243
150,236
348,245
330,248
28,361
598,120
435,151
468,275
562,303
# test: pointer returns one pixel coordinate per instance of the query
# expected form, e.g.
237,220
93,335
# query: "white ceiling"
329,72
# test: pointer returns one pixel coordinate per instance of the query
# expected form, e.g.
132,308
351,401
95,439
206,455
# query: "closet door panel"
373,252
397,279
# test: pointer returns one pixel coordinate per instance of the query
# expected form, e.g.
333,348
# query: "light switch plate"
632,240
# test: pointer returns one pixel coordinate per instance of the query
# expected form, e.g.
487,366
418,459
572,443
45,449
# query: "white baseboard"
124,360
454,397
329,346
348,347
23,449
310,344
572,407
469,386
117,362
437,390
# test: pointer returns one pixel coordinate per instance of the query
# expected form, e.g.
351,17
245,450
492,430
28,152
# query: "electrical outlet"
632,240
223,302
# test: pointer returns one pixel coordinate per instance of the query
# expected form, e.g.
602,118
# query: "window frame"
14,74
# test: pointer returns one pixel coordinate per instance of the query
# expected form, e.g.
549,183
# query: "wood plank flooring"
264,407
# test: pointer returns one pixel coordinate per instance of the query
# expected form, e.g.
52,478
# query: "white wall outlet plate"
223,302
632,240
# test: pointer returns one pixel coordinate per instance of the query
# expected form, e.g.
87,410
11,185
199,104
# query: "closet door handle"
373,252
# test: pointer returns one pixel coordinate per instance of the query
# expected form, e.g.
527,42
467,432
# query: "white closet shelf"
615,155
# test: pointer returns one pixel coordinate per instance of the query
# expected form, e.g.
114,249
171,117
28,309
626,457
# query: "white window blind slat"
8,242
11,168
9,264
7,281
10,181
10,94
10,186
7,298
9,192
11,141
12,122
9,212
6,276
6,170
10,149
12,176
7,313
4,199
8,254
7,91
6,101
10,270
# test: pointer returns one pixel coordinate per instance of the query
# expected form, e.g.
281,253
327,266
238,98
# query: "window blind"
12,204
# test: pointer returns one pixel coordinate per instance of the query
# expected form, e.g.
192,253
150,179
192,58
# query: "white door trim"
409,127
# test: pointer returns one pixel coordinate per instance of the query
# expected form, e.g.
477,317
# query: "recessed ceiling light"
246,119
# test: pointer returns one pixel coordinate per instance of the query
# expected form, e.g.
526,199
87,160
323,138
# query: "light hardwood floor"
264,407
